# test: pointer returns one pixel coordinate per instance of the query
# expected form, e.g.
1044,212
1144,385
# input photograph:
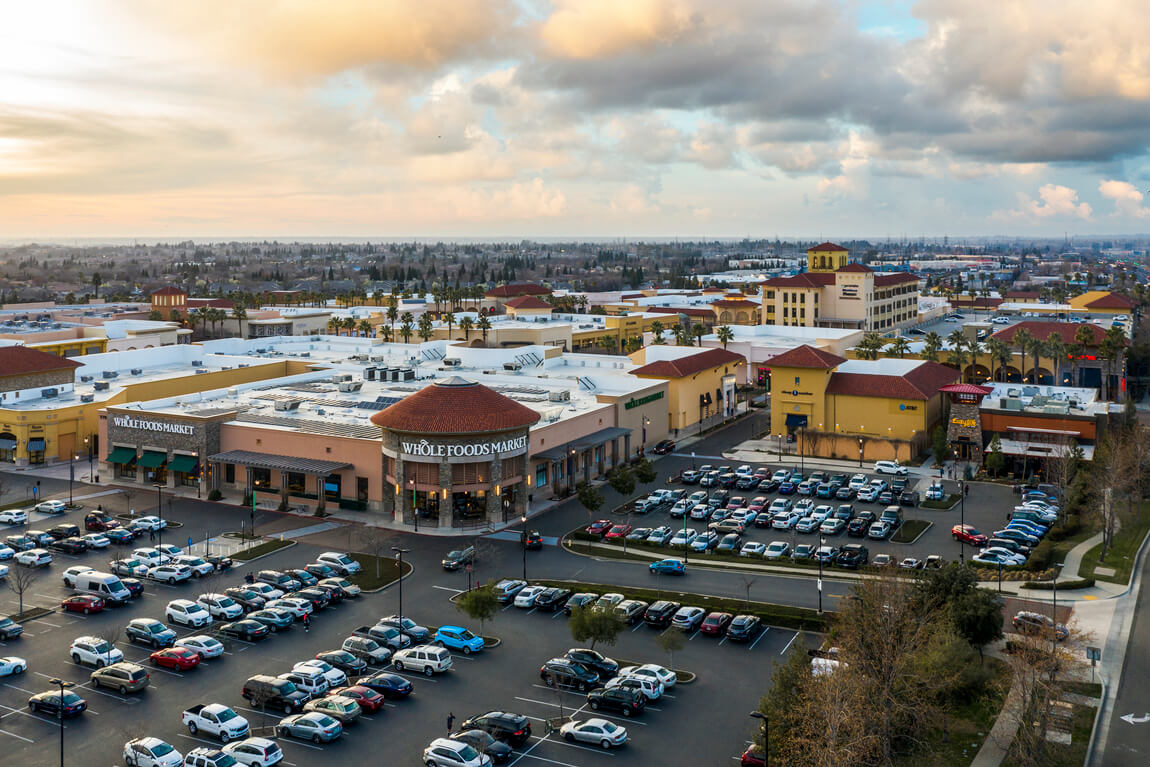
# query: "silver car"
600,731
313,726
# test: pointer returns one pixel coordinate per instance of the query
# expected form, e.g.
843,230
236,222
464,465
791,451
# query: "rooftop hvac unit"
287,404
100,386
305,354
197,363
242,365
87,397
369,374
233,392
261,351
350,386
452,362
53,392
110,374
226,367
320,411
201,370
85,379
559,395
407,375
512,366
137,371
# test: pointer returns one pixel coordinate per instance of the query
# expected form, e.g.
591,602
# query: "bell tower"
827,257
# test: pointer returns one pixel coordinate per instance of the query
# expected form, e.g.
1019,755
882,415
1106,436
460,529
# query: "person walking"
151,534
450,721
306,622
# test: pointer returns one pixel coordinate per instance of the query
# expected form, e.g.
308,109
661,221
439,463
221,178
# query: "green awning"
122,455
152,460
185,464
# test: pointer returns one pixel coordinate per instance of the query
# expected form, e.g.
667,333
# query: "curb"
242,562
910,542
34,614
681,676
410,572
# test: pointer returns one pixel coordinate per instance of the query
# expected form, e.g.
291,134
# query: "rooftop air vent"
287,404
110,374
53,392
100,386
137,371
87,397
197,363
86,379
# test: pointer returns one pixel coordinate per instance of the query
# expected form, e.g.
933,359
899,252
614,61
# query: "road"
1128,740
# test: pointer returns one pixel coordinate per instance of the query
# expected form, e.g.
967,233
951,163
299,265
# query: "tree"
698,331
977,617
868,348
607,342
590,625
590,497
938,444
97,281
479,604
364,328
239,314
682,335
725,335
633,344
426,327
1056,350
156,315
466,325
622,480
657,331
645,472
449,320
1037,348
999,354
670,642
385,333
899,346
995,460
406,326
392,311
20,580
1022,339
484,325
931,344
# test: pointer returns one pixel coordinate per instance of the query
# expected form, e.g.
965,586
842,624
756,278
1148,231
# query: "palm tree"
466,324
657,332
449,320
334,324
607,342
406,325
931,343
633,344
999,353
1056,349
1022,339
239,313
869,347
483,325
385,333
682,335
698,331
392,311
365,328
216,316
1074,352
899,346
725,335
1037,349
349,325
974,346
957,356
426,328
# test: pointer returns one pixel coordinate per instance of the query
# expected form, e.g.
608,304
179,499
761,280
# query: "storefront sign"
167,427
426,449
969,423
634,403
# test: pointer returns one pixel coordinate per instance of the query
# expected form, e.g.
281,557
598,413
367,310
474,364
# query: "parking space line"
21,737
528,754
784,650
46,623
574,745
638,626
695,634
762,634
412,676
30,715
212,743
301,745
557,614
552,689
21,689
448,588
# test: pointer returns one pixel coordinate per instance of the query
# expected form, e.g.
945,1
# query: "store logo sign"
426,449
969,423
166,427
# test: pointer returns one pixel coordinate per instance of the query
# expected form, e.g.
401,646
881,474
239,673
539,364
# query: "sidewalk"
766,451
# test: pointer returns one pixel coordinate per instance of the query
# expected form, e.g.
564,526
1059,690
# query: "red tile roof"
734,302
170,291
528,302
807,357
882,280
802,280
922,383
1022,294
518,289
965,388
855,268
676,310
826,247
1112,301
20,360
455,406
1043,329
685,366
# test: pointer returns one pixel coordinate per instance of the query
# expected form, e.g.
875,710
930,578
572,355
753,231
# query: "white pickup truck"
218,720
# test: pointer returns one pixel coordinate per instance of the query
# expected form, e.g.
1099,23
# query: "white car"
6,552
255,752
752,549
71,573
684,537
526,597
94,651
785,520
51,507
777,550
170,551
652,689
868,494
199,566
221,606
858,481
11,665
151,557
651,671
443,752
599,731
780,476
297,607
185,612
334,677
202,645
265,590
744,471
151,523
3,571
128,567
34,558
341,563
13,517
96,540
889,467
151,752
170,573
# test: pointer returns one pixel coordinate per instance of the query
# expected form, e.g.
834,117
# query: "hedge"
1081,583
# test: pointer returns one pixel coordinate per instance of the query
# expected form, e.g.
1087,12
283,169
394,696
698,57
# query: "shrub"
1070,526
1081,583
1042,557
215,495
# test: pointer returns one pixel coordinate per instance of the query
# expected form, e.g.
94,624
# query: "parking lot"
701,723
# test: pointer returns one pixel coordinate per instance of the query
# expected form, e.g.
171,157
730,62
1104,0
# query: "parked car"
178,658
715,624
581,600
777,550
313,726
57,704
563,672
246,629
149,631
94,651
968,534
458,638
552,599
514,729
688,618
444,752
853,556
151,752
255,752
83,603
124,677
744,628
621,699
1027,622
387,685
201,645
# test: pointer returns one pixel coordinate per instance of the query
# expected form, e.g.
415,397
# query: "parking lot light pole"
71,477
860,453
88,445
523,519
1054,617
399,552
962,520
160,510
60,712
766,734
818,556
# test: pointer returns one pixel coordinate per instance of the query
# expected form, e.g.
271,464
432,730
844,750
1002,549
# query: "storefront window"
7,447
332,487
296,482
230,473
261,479
540,475
126,470
189,479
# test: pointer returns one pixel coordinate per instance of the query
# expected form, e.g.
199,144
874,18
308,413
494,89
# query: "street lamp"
819,557
962,519
88,446
71,476
160,511
414,511
802,451
1054,618
766,734
860,452
399,552
62,684
523,519
643,449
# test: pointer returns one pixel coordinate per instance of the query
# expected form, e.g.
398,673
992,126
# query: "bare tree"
670,642
20,580
110,634
129,494
748,580
1036,662
377,541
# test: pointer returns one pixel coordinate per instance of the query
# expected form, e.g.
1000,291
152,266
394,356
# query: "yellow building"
856,409
1103,302
700,383
737,309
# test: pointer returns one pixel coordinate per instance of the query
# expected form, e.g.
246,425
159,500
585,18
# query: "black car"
567,673
533,541
344,661
318,597
602,665
858,527
387,685
485,743
583,599
249,630
134,587
305,578
845,512
60,532
69,546
513,729
908,498
246,598
335,594
408,627
552,599
120,536
744,628
768,485
853,556
1010,544
220,563
50,703
659,614
319,570
457,558
627,702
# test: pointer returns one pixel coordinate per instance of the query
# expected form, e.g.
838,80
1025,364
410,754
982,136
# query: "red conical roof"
455,406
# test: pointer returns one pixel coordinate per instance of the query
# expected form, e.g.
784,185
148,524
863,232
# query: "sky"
574,118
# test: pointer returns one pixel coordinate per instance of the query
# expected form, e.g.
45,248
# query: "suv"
659,615
221,606
514,729
1027,622
94,651
281,581
445,752
245,598
853,555
125,677
601,664
506,590
563,672
185,612
149,631
273,692
622,699
426,658
98,522
889,467
208,757
60,532
457,558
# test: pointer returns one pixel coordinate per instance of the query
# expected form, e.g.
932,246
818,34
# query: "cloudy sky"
722,118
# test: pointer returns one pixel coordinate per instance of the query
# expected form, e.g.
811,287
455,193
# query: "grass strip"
910,530
260,550
376,573
1123,551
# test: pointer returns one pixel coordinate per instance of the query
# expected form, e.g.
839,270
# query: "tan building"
700,384
737,309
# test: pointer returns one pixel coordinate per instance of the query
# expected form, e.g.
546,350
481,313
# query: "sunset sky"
580,118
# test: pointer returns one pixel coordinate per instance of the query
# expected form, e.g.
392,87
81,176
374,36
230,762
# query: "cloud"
587,29
1127,199
1055,201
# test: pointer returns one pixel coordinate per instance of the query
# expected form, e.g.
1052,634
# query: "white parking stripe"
21,737
575,745
762,634
784,650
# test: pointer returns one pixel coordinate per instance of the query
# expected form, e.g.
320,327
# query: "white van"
425,657
104,585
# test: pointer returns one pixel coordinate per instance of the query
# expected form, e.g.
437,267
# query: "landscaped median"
377,573
261,550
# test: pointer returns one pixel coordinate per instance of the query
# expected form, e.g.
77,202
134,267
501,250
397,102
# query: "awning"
152,459
7,443
122,455
601,437
795,420
552,454
185,464
36,445
279,462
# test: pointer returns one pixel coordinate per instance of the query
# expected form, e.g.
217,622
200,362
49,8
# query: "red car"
599,527
664,447
716,624
618,531
753,757
968,534
99,523
83,603
179,658
368,699
758,504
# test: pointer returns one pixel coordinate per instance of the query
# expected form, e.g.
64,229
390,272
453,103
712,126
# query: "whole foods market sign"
425,449
165,427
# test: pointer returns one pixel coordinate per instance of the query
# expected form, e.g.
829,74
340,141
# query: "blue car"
787,488
458,638
668,566
120,535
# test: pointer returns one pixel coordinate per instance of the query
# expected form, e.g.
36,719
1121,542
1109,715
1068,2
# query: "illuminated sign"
634,403
969,423
426,449
127,422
